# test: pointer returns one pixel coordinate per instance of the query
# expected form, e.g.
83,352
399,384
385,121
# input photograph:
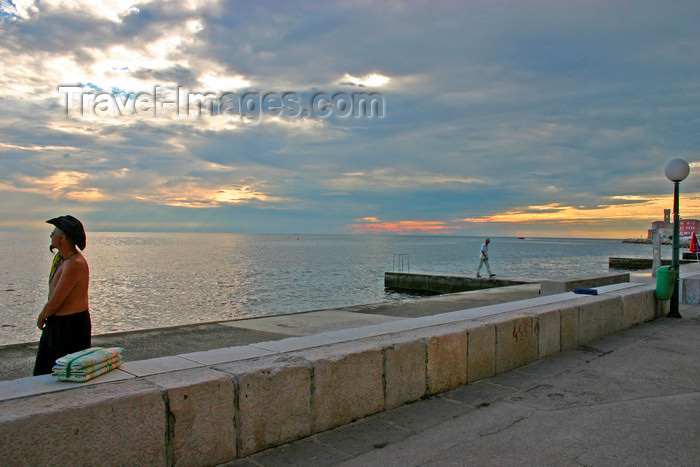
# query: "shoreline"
18,359
255,276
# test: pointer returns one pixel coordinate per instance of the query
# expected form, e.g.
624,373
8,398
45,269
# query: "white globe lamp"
677,170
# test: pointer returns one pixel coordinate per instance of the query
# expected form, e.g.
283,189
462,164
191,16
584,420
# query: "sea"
153,280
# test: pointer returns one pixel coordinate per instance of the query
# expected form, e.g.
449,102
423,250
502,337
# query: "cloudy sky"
522,118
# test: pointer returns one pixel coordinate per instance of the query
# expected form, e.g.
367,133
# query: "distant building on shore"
658,225
687,227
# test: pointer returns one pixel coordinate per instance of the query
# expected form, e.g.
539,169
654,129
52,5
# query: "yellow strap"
56,260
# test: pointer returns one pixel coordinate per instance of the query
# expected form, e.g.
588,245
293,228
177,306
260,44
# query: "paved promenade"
632,398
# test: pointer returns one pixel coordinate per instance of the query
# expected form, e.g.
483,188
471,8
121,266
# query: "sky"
489,118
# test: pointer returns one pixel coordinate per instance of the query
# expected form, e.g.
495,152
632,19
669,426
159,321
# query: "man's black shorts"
62,335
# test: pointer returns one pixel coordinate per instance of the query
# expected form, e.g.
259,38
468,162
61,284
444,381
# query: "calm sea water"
149,280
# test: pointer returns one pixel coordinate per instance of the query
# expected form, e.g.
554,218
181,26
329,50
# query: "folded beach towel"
80,378
63,371
87,364
60,367
89,357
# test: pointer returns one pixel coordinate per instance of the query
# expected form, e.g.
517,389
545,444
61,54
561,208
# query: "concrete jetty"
444,283
639,263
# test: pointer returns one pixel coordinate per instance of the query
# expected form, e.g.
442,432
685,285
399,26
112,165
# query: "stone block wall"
200,410
405,378
111,424
216,413
272,400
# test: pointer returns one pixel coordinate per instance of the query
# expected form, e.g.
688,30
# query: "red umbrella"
693,244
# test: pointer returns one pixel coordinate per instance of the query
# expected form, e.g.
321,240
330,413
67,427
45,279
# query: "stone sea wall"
227,404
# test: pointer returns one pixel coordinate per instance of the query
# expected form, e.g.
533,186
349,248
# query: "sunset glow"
548,220
403,227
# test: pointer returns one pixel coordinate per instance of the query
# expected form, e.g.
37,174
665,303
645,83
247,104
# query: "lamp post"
676,171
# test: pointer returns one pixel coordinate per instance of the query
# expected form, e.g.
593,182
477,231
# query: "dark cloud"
491,106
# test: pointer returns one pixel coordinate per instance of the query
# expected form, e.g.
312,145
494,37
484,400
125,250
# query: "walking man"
484,258
65,319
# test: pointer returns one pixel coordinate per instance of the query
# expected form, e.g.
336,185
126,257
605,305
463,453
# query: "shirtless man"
65,319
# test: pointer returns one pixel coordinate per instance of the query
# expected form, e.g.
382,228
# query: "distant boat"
521,238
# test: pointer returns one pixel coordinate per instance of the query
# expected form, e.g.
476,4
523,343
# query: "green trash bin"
665,282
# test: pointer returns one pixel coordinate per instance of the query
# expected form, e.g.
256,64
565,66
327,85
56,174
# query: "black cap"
72,227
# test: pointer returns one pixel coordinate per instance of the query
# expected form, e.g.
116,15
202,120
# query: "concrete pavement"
632,398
